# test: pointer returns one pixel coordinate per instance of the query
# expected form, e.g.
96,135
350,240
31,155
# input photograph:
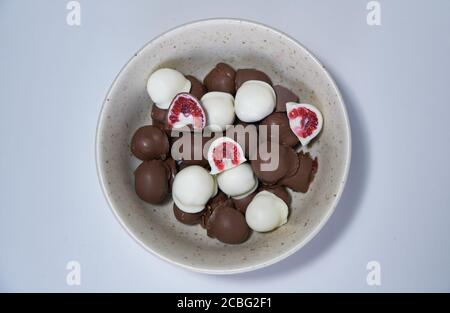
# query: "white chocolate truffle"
219,107
266,212
192,188
254,101
164,84
248,192
223,154
305,120
238,180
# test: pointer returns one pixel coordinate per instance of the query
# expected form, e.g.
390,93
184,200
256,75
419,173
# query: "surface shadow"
347,206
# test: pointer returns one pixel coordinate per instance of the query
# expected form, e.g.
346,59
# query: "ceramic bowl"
194,49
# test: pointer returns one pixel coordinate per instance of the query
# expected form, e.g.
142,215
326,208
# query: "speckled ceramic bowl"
194,49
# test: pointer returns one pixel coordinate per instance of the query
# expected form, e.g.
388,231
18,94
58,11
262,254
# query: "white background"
395,208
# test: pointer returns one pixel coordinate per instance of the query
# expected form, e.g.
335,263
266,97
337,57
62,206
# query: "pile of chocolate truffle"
229,187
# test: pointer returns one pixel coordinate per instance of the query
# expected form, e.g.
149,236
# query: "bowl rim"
270,261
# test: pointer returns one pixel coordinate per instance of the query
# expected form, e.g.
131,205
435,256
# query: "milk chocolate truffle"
151,181
284,95
285,134
150,142
220,199
197,88
221,78
228,225
187,218
278,191
242,204
171,167
158,115
159,119
245,74
263,164
302,178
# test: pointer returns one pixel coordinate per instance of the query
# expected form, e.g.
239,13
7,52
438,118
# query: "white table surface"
395,208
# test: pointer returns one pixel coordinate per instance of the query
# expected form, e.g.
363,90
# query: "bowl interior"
194,49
